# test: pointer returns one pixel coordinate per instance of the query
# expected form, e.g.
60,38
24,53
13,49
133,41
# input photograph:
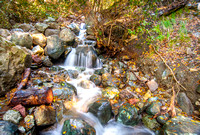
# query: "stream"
84,56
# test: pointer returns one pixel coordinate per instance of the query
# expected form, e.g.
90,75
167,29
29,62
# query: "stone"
110,92
7,128
74,27
102,110
22,38
109,80
73,73
38,50
86,84
49,32
49,19
46,61
181,125
198,89
162,119
25,27
67,36
45,115
53,25
150,123
154,108
77,127
41,27
128,115
22,129
147,95
13,61
21,109
54,48
153,85
4,33
130,76
96,79
29,122
12,116
39,39
16,30
185,103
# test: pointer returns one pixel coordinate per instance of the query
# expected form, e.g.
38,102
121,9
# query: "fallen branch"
25,79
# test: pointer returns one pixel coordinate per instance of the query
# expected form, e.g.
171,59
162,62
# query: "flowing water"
85,56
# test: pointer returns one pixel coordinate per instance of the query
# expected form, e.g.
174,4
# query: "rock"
77,127
74,27
90,31
86,84
153,86
39,39
96,79
4,33
7,128
49,32
46,61
99,71
53,25
67,36
130,76
110,92
162,119
198,89
13,60
73,73
150,123
109,80
16,30
128,115
22,129
41,27
154,108
38,50
127,94
45,115
29,122
185,103
25,27
21,109
147,95
37,82
102,110
54,48
49,19
181,125
23,39
12,116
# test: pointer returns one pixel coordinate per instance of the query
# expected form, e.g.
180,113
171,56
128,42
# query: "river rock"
162,119
130,76
154,108
150,122
96,79
74,27
110,92
153,86
86,84
38,50
77,127
102,110
21,109
39,39
4,32
12,116
46,61
181,125
185,103
49,32
53,25
67,36
45,115
109,80
198,89
13,60
54,48
41,27
49,19
29,122
128,115
7,128
99,71
25,27
73,73
22,38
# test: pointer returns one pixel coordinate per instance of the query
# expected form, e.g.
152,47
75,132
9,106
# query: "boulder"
38,50
13,60
4,33
7,128
110,92
96,79
54,48
74,27
12,116
39,39
109,80
67,36
22,38
25,27
45,115
41,27
49,32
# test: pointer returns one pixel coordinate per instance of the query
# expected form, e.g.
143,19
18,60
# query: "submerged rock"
7,128
77,127
12,116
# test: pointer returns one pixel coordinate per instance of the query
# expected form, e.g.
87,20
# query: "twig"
110,35
169,69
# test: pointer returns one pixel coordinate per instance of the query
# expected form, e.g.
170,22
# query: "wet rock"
13,60
39,39
69,86
21,109
150,123
80,69
41,27
109,80
153,86
29,122
185,103
49,32
110,92
96,79
4,32
45,115
54,48
73,73
25,27
86,84
154,108
46,61
67,36
38,50
162,119
38,82
99,71
22,129
128,115
65,93
102,110
23,39
77,127
12,116
130,76
181,125
127,93
74,27
7,128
